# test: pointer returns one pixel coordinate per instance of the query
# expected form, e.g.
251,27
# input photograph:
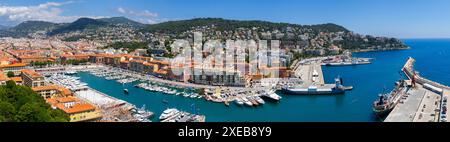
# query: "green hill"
226,25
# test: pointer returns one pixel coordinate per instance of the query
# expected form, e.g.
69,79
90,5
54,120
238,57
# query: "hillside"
2,27
28,27
301,38
122,20
79,25
226,25
292,36
47,28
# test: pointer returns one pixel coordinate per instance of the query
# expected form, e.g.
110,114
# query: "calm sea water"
433,62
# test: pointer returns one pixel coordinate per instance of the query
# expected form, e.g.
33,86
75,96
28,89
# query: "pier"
311,74
422,102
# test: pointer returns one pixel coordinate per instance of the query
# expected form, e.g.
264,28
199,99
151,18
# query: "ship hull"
333,92
381,113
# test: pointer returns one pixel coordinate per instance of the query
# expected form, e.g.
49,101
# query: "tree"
10,74
10,84
21,104
7,111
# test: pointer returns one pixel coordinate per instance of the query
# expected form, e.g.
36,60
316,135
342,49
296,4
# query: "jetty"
424,101
312,79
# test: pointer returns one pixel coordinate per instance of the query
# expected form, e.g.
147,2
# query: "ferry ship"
326,89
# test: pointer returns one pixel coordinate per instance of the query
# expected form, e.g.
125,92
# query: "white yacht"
272,95
259,100
167,113
247,102
239,101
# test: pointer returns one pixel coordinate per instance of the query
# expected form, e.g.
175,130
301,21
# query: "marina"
113,109
214,94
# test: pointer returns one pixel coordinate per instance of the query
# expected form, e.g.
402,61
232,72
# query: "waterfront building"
114,60
15,68
31,59
32,79
143,66
80,57
276,72
77,110
51,91
217,76
18,80
3,78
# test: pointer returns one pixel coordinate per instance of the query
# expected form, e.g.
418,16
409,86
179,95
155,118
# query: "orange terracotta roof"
45,88
107,55
161,71
77,108
16,79
137,61
31,73
64,91
31,57
273,68
14,65
66,99
160,62
257,76
51,101
3,77
80,56
149,64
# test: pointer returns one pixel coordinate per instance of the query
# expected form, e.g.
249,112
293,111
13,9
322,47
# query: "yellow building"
77,110
52,91
3,78
18,80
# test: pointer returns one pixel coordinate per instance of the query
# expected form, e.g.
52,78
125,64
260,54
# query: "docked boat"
253,101
336,88
226,103
70,72
259,100
382,106
386,102
168,113
247,102
239,101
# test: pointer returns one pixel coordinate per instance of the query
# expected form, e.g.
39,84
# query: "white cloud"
141,16
49,11
121,10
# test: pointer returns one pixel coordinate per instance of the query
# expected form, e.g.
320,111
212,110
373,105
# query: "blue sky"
393,18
